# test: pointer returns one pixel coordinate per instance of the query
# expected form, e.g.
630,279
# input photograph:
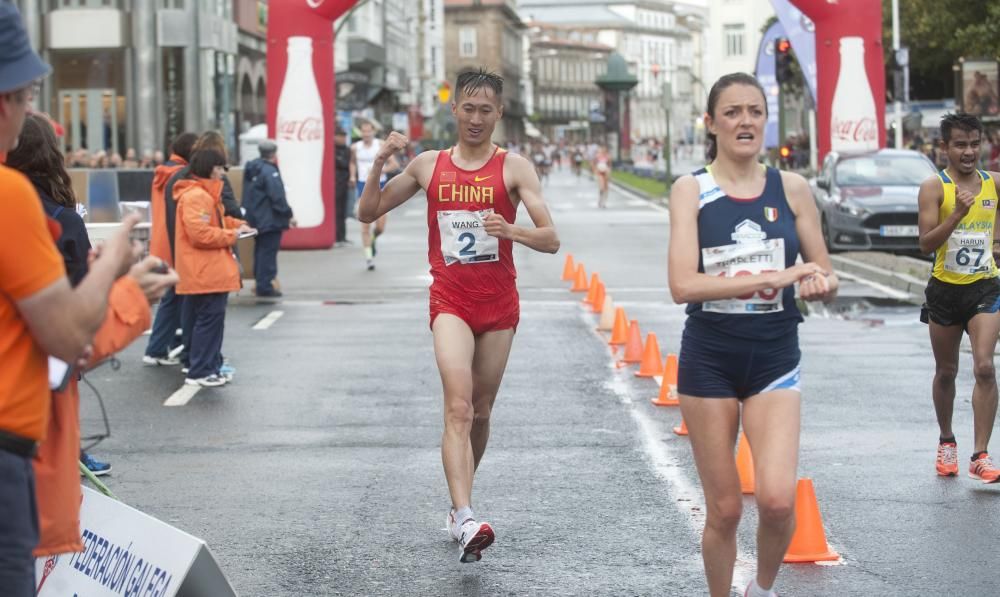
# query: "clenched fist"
394,143
964,200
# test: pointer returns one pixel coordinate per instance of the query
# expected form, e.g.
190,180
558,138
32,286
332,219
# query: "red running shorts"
499,312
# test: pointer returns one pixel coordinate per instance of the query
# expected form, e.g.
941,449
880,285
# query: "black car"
868,201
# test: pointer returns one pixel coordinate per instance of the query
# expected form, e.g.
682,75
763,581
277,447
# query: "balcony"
363,54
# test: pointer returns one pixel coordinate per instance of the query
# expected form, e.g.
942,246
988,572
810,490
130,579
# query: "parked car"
868,201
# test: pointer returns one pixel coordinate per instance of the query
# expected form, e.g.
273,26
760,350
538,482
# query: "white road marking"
412,213
891,292
268,320
182,396
649,204
683,494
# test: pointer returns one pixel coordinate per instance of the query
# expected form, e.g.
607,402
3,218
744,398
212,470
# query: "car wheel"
827,239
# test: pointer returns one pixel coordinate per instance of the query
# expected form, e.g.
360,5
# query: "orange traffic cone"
633,348
607,321
651,364
668,388
580,282
592,290
598,305
619,331
683,429
809,541
744,465
569,269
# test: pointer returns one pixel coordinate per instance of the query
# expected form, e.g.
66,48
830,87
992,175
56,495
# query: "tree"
937,33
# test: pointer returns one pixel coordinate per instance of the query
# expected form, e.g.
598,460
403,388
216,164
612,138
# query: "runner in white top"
363,155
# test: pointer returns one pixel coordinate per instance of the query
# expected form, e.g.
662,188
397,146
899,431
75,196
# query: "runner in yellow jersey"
958,216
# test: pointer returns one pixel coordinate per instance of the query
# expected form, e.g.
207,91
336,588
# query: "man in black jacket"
343,172
267,210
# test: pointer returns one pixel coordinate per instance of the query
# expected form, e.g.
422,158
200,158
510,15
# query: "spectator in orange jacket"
57,480
40,314
205,261
163,338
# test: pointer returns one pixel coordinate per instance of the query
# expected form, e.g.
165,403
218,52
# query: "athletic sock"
755,590
977,455
368,253
947,440
463,514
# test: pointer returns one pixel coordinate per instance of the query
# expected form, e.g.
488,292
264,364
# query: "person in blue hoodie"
268,211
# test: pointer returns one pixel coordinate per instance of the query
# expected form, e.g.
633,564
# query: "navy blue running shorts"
713,364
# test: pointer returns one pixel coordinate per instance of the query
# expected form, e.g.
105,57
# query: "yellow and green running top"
968,256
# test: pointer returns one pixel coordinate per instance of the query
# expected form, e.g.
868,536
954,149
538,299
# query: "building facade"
565,102
374,61
735,32
129,73
659,39
489,34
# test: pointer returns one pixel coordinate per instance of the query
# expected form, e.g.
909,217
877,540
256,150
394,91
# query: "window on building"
734,36
467,42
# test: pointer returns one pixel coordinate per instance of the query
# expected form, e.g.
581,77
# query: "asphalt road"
317,471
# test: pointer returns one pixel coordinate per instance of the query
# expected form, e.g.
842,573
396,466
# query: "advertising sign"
301,112
126,552
850,74
979,94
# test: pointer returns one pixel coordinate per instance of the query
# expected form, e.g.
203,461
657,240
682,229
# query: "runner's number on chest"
746,259
464,239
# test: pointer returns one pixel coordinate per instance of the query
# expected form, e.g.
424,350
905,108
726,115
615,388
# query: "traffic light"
444,92
785,151
782,60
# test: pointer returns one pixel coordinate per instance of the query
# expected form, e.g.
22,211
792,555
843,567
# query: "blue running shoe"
226,371
98,468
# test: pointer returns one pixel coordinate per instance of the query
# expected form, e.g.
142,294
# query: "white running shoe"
452,526
167,360
474,537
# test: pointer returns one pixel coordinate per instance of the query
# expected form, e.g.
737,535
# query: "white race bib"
464,239
968,252
746,259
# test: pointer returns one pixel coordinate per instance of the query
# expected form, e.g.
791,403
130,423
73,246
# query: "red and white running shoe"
474,537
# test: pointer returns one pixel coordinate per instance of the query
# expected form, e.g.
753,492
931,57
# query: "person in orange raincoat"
168,314
204,258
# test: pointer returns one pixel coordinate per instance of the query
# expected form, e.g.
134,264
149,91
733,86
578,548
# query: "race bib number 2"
746,259
464,239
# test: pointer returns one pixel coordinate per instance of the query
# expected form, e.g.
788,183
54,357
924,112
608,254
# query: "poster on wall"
980,93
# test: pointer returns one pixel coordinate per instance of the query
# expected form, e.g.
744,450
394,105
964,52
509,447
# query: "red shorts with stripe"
499,312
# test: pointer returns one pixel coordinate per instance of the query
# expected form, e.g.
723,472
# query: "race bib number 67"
968,253
746,259
464,239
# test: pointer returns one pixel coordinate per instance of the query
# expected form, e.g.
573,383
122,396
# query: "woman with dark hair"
38,157
204,259
736,231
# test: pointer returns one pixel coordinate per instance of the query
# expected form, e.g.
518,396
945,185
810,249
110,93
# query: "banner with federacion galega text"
127,553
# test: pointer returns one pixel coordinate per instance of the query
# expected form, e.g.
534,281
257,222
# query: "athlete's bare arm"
521,180
812,247
687,285
375,202
352,168
933,232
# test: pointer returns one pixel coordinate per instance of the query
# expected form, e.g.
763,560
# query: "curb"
887,277
638,193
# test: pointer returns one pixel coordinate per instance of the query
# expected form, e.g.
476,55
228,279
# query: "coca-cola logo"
863,130
307,129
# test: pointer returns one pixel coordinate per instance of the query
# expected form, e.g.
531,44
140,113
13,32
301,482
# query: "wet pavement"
317,471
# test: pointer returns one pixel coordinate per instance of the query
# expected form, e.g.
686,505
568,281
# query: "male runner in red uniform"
473,191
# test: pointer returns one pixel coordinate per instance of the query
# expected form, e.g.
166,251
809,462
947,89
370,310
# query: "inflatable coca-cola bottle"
300,135
853,124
